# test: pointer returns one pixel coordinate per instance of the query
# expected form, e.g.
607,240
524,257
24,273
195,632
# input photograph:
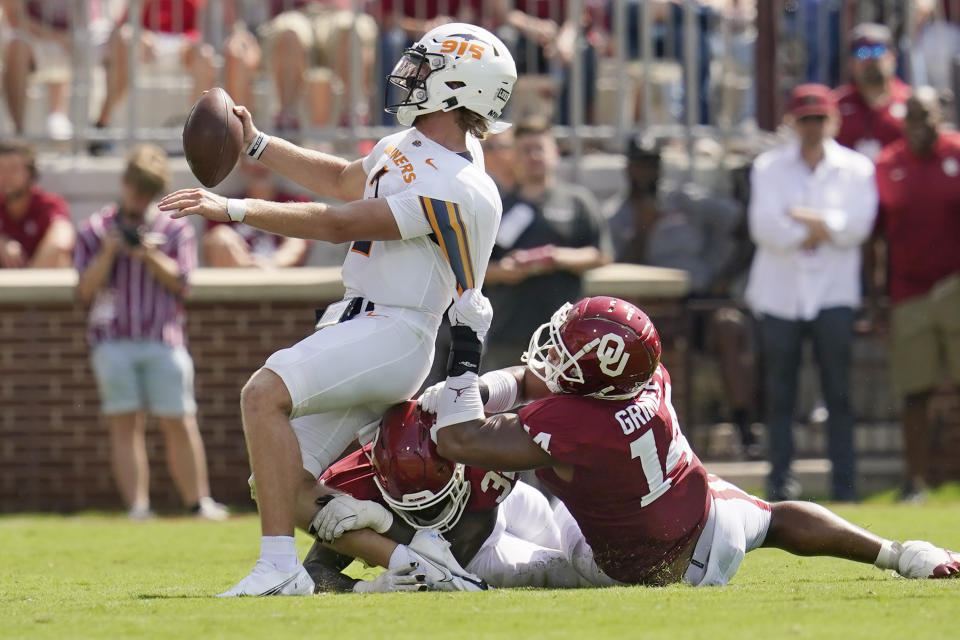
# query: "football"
212,137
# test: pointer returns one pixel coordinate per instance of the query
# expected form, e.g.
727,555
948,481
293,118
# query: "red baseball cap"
811,100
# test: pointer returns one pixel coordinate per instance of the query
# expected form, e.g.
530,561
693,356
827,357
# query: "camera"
131,236
130,232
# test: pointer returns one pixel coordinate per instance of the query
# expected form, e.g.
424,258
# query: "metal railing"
618,46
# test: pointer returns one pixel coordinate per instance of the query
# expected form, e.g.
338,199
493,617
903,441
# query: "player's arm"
324,174
499,442
369,219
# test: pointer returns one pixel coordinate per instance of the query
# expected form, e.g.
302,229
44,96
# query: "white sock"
279,552
889,556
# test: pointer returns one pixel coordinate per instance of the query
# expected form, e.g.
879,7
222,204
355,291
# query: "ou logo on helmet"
612,355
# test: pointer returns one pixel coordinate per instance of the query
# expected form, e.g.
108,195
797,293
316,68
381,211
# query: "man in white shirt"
813,204
421,217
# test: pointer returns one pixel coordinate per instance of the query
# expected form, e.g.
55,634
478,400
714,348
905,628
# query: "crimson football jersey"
638,492
353,474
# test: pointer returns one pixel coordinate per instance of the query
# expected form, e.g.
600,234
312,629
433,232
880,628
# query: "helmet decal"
602,347
611,356
451,66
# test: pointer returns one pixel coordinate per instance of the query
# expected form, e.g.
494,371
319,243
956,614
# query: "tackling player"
500,529
421,216
638,507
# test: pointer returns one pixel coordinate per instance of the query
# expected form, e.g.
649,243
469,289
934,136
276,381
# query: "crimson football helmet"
423,488
600,347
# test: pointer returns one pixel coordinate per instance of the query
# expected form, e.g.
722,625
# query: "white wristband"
236,209
255,150
501,391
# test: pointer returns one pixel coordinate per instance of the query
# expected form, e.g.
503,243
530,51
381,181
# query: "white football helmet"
451,66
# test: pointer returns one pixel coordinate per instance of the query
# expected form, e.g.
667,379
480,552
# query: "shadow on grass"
172,596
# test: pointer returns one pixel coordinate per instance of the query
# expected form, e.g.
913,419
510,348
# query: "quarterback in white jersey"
421,216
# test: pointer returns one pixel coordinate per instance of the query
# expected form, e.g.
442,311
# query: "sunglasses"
811,118
870,52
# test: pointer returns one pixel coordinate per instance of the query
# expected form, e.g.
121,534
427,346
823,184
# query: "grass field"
101,576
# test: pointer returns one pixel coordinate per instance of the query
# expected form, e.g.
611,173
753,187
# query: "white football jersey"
448,211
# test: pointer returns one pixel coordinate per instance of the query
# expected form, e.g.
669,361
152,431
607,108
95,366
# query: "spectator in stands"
935,46
308,42
872,106
668,33
812,205
134,264
917,178
37,38
686,228
550,233
35,226
234,244
170,41
242,54
498,159
543,38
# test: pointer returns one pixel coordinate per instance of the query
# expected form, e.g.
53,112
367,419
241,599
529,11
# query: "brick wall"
54,448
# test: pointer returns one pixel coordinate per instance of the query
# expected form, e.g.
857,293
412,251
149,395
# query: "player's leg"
366,362
807,529
527,514
509,561
738,523
578,550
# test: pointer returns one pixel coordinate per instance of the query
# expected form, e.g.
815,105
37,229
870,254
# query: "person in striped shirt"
133,264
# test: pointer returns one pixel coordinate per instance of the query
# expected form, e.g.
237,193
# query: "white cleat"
264,580
921,559
443,572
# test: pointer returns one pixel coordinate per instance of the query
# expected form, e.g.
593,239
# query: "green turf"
101,576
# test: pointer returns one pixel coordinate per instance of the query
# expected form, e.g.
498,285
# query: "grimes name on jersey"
644,407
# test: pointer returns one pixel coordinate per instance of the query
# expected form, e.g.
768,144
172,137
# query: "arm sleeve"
419,215
770,226
548,423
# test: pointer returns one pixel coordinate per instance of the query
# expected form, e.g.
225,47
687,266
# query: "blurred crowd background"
637,126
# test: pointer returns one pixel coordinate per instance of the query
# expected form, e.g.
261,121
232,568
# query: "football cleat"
264,580
921,559
442,571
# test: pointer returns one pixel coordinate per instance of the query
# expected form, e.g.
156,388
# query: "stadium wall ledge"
54,447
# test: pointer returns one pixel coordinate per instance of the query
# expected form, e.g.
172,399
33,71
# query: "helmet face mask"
549,357
600,347
424,489
452,66
411,73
